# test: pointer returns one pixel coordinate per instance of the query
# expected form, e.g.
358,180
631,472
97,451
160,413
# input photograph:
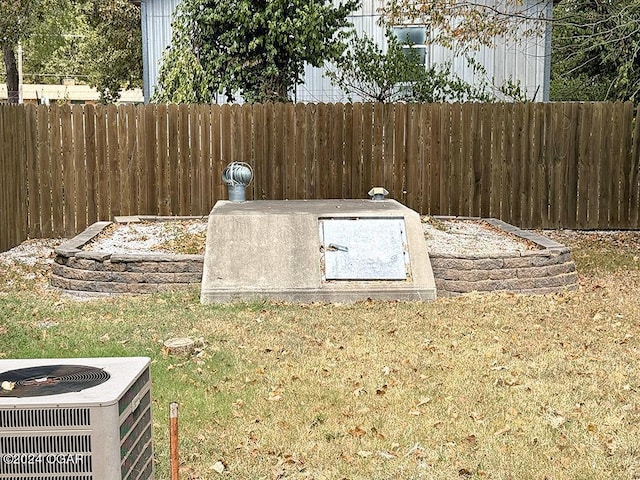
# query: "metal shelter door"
364,249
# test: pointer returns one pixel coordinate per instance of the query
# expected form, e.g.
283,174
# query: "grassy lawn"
492,386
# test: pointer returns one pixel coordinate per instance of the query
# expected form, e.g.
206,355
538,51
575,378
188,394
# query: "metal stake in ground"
173,440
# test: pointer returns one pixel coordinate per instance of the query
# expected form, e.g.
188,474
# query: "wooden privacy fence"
571,165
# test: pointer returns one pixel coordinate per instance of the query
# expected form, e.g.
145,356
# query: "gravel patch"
31,253
141,237
462,237
442,237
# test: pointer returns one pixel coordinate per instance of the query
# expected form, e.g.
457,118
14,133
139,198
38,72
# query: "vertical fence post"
173,440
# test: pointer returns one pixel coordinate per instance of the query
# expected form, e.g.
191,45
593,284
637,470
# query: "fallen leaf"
357,431
471,439
219,467
386,455
499,367
475,416
275,395
7,386
417,451
346,457
554,418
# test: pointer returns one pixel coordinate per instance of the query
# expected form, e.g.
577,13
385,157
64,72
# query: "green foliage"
18,18
181,78
17,21
397,75
596,51
97,42
53,49
255,48
113,50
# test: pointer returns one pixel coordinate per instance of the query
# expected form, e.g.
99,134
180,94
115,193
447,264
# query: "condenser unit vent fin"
139,459
26,457
137,387
141,422
45,444
45,418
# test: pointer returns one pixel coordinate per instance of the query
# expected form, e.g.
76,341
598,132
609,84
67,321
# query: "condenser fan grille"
50,380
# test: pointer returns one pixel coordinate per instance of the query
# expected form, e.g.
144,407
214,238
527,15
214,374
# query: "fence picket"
300,153
290,165
515,187
162,187
217,161
195,160
79,168
173,145
457,177
634,177
526,195
203,192
90,160
33,187
413,171
594,168
309,153
336,148
345,185
484,174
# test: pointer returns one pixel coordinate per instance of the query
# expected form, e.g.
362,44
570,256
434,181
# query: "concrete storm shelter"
315,251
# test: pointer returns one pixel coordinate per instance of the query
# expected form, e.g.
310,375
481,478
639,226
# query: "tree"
257,48
16,21
596,50
397,75
98,41
113,49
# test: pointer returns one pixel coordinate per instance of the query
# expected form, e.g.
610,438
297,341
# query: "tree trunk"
11,67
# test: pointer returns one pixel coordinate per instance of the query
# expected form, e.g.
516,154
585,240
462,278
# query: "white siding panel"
317,87
158,15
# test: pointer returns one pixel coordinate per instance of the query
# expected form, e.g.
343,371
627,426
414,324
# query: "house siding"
525,61
156,37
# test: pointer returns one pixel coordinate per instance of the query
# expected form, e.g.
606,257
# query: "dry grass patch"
492,386
497,386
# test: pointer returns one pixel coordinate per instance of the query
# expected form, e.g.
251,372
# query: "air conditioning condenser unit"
76,419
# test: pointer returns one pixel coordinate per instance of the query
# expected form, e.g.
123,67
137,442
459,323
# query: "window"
414,39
